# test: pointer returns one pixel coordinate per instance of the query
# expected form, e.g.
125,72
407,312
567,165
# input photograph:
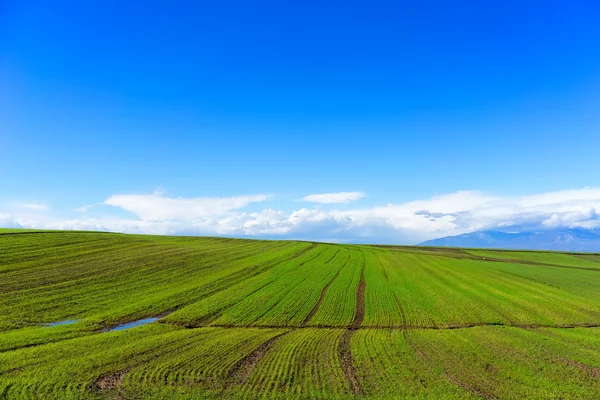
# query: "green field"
282,319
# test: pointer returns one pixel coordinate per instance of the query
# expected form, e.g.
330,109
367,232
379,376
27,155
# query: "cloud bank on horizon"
410,222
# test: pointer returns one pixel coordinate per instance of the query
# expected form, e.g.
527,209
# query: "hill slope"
224,318
575,240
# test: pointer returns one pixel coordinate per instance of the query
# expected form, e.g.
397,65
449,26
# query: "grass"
283,319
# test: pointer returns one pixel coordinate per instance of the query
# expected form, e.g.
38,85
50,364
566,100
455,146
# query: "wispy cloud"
35,206
157,207
87,207
334,198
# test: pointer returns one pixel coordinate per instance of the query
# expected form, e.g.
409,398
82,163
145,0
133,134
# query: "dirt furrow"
427,364
113,380
332,257
402,314
344,348
306,250
314,310
242,370
360,301
589,369
386,327
470,388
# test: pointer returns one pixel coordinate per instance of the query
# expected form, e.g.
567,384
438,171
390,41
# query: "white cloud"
86,208
156,207
333,198
35,206
410,222
7,221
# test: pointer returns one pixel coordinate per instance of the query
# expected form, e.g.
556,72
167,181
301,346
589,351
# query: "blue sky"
218,117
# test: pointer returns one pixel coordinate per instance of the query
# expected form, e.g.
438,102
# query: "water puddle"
133,324
58,323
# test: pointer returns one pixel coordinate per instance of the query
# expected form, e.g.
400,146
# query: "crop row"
102,279
434,291
550,258
125,282
490,362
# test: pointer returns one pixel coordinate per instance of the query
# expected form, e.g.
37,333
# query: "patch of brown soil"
112,381
244,368
360,301
593,371
345,357
344,347
470,388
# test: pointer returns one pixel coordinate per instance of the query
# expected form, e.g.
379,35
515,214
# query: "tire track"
228,281
332,257
402,314
112,381
344,347
316,307
242,370
469,388
385,327
427,364
387,278
306,250
360,300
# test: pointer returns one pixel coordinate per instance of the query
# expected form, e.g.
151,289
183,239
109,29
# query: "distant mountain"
558,239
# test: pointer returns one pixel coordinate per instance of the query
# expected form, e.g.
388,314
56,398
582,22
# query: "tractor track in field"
403,326
258,269
360,300
332,257
220,286
274,305
402,314
243,369
503,315
4,392
387,278
469,388
387,327
385,274
316,307
277,302
344,347
427,365
113,380
588,369
312,246
206,320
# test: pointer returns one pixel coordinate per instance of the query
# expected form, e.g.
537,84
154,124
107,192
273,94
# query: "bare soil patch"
244,368
344,348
